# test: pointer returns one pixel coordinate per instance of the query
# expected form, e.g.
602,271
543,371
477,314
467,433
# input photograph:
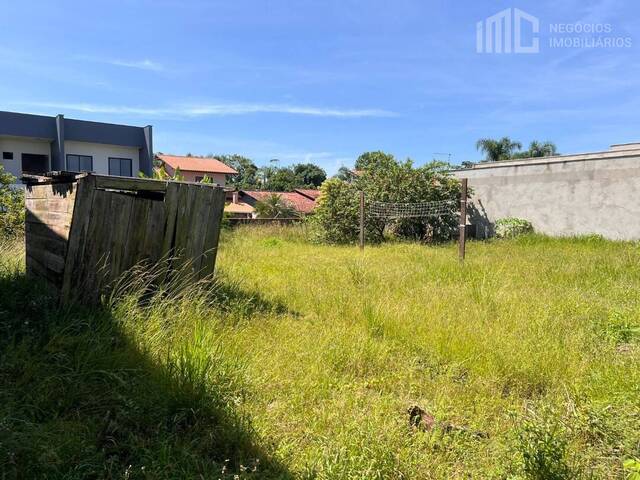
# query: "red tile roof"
300,202
196,164
307,192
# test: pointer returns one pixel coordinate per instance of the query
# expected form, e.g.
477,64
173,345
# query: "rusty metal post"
361,242
463,219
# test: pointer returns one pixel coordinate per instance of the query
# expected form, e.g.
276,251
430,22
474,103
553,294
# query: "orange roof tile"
196,164
307,192
297,200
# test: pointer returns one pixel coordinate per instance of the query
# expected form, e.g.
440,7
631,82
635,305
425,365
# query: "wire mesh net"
396,210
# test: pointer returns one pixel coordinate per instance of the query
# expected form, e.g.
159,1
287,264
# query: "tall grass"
301,360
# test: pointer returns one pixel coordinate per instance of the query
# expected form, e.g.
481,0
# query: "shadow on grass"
81,399
234,298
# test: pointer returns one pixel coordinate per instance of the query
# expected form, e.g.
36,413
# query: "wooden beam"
131,184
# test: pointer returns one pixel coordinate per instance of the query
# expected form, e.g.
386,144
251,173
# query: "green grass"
302,359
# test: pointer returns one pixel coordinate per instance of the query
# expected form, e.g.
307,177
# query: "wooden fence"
83,233
265,221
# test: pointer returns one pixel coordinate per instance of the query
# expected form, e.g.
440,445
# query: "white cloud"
207,110
144,64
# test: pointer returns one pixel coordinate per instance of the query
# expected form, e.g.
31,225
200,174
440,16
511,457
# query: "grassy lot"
301,362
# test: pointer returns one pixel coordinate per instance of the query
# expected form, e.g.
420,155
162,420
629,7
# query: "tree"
282,179
336,214
538,149
542,149
309,174
247,171
344,174
11,206
160,173
496,150
376,159
274,206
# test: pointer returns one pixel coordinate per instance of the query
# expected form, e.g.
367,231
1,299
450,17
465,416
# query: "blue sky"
323,81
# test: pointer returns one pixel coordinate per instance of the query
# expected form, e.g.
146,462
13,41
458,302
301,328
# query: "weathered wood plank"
130,184
86,272
154,235
78,234
212,236
186,200
99,237
121,214
171,212
38,217
36,268
36,191
57,218
61,205
52,243
138,231
198,227
55,231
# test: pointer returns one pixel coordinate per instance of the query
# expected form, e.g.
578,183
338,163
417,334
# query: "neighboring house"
194,169
242,203
238,209
37,144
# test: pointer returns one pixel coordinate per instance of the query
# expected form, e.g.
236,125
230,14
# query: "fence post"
361,242
463,219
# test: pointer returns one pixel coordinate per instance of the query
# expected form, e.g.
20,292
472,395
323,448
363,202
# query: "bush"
384,179
512,227
11,207
337,213
543,445
274,206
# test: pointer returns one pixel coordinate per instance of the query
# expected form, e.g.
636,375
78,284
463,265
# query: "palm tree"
274,206
496,150
542,149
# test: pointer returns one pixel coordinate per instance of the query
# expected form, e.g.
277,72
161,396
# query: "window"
199,179
79,163
7,155
120,167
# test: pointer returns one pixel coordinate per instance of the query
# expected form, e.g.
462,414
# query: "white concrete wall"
560,196
18,146
101,153
624,146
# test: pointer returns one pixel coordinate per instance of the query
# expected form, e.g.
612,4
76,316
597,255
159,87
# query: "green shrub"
384,179
632,467
336,216
542,445
512,227
11,206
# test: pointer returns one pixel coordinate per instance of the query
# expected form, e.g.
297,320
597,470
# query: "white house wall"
101,154
18,146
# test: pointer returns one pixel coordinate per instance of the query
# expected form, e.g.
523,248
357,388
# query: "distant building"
194,169
37,144
242,203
